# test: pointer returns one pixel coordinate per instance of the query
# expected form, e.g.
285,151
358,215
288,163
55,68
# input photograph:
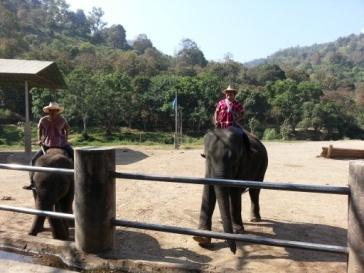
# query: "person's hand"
40,142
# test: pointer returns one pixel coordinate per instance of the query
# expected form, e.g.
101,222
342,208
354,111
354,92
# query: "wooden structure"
331,152
29,74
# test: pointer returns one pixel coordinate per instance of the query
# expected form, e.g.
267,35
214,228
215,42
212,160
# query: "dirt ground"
312,217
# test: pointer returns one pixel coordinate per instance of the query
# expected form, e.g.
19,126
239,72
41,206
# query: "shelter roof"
43,74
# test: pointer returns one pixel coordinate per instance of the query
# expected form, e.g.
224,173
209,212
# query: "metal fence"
96,167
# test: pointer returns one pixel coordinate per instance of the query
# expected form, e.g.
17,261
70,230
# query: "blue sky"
246,29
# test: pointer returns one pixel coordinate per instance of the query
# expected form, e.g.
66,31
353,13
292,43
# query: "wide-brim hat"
230,89
53,106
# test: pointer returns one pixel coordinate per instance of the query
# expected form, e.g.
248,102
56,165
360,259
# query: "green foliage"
285,129
256,127
271,134
11,135
111,84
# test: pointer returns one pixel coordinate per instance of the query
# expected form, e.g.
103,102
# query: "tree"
127,62
141,43
116,37
96,24
269,73
78,23
80,97
113,100
39,98
188,57
256,106
228,71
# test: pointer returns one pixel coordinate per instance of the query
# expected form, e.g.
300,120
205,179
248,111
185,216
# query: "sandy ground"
312,217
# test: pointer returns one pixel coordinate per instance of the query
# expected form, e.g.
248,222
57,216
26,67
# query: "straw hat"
53,106
230,89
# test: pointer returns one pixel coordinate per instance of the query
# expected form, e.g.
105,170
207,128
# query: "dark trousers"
68,148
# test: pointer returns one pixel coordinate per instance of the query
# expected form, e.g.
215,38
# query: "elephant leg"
207,209
222,196
235,207
66,204
59,228
255,208
38,221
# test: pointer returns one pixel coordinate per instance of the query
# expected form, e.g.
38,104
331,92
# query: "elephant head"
224,151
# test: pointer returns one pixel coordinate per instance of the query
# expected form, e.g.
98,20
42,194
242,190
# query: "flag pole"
176,122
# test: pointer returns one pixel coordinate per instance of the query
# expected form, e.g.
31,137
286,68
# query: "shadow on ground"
16,157
303,232
140,246
123,156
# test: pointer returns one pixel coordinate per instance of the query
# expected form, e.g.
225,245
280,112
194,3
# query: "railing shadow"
140,246
305,232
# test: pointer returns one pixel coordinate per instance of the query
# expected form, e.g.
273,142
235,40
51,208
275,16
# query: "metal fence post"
94,199
356,217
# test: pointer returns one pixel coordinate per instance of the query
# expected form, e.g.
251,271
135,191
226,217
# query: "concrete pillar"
94,199
356,217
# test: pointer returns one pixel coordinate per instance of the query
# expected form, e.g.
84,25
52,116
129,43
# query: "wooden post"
356,217
94,199
27,126
329,151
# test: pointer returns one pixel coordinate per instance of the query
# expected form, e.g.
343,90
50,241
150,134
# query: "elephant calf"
53,192
228,157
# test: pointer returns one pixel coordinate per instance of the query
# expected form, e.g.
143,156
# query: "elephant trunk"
222,196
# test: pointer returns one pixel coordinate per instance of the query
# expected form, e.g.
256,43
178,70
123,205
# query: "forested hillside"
115,82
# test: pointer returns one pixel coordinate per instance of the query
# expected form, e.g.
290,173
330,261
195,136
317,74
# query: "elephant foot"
27,187
239,230
232,246
255,219
202,241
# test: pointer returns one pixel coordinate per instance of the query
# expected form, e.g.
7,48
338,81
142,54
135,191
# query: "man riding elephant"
230,113
231,153
52,191
53,130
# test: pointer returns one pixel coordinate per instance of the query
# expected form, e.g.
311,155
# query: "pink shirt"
53,131
226,111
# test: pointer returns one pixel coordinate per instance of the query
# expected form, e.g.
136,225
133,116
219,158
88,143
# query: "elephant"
53,192
228,156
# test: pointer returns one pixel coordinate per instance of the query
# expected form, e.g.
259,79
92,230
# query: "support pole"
94,199
27,127
176,144
356,217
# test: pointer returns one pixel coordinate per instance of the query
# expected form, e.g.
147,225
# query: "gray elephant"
53,192
229,157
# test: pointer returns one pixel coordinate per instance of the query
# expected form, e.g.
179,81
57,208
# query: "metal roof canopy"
30,73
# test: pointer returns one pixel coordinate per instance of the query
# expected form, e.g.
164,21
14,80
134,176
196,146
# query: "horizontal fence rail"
52,214
194,180
229,236
238,183
19,167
